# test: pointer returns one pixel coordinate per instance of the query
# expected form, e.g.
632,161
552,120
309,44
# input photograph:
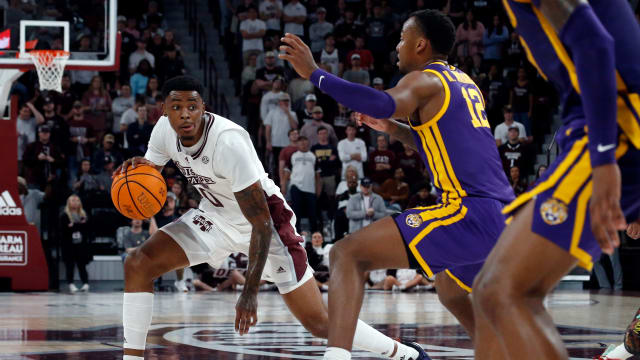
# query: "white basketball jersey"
224,162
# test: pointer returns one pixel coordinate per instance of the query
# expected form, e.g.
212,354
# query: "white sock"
136,319
131,357
334,353
619,353
370,339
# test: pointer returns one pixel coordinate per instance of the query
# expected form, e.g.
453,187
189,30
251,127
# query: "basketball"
139,193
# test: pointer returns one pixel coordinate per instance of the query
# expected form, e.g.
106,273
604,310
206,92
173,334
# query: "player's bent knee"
319,329
489,297
137,265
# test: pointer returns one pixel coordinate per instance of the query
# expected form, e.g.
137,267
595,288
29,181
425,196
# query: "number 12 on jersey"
476,107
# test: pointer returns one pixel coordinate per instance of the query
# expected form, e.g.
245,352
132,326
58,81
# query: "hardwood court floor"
200,326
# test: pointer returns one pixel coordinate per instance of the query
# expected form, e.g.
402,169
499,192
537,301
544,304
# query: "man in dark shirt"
329,164
346,32
42,159
514,153
266,74
59,127
170,65
410,162
381,162
139,133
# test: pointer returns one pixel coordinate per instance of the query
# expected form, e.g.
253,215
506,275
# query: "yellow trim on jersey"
448,210
458,281
584,259
447,161
531,59
427,207
573,154
426,231
510,14
559,48
623,146
627,121
439,163
436,176
445,104
574,180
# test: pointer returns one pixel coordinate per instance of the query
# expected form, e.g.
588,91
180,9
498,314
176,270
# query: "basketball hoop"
50,66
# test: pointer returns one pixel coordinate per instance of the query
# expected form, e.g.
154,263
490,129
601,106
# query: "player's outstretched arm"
254,207
592,51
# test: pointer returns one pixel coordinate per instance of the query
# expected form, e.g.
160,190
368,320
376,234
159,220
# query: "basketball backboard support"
25,27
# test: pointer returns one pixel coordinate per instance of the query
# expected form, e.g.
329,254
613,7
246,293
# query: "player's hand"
376,124
298,54
633,230
133,162
606,216
246,312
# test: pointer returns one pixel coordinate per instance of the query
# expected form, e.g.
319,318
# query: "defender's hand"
246,312
634,230
606,216
134,161
298,54
382,125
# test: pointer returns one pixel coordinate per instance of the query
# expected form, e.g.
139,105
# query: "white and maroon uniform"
224,161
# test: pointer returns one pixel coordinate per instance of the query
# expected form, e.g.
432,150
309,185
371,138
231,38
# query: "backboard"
61,25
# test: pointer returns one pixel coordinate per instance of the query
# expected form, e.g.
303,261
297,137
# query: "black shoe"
422,355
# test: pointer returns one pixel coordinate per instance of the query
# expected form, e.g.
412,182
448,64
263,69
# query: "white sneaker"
180,286
85,288
72,288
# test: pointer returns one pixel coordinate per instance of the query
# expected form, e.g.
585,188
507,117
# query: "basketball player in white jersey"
241,210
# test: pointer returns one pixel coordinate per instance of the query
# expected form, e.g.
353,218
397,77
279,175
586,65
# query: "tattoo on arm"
402,132
254,207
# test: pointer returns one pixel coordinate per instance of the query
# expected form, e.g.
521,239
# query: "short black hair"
182,83
320,128
436,27
290,131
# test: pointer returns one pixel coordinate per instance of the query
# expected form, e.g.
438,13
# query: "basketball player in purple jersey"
448,126
591,52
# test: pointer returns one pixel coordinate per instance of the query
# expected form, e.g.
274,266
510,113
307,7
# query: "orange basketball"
139,193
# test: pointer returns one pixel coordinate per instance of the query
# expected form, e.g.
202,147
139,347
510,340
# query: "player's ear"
422,44
164,110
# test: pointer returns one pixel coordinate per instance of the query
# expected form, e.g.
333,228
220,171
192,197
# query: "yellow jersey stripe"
445,211
445,104
531,59
427,207
574,180
559,48
436,180
510,14
458,281
447,161
628,121
447,185
426,231
584,259
573,154
623,146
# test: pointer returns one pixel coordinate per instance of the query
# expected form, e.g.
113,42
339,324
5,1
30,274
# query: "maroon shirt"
381,157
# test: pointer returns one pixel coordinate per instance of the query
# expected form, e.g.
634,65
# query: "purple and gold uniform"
562,196
461,157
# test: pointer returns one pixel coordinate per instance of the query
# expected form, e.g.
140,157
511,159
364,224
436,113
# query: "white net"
50,66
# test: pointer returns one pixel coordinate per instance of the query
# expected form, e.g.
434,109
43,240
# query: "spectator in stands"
132,27
305,115
514,152
135,235
299,88
170,42
377,29
249,71
365,207
329,164
318,257
515,53
266,74
105,174
170,64
26,125
182,198
271,14
271,99
409,161
382,161
378,83
405,280
67,98
395,191
284,159
304,174
242,10
502,130
74,239
521,101
55,122
345,190
121,104
469,39
352,151
319,29
130,116
276,125
82,138
139,133
141,77
98,103
252,30
343,184
329,55
156,46
493,89
31,200
42,160
310,129
152,90
140,54
294,17
356,73
346,31
518,183
82,78
494,40
87,184
167,215
539,173
107,149
341,120
423,196
366,58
